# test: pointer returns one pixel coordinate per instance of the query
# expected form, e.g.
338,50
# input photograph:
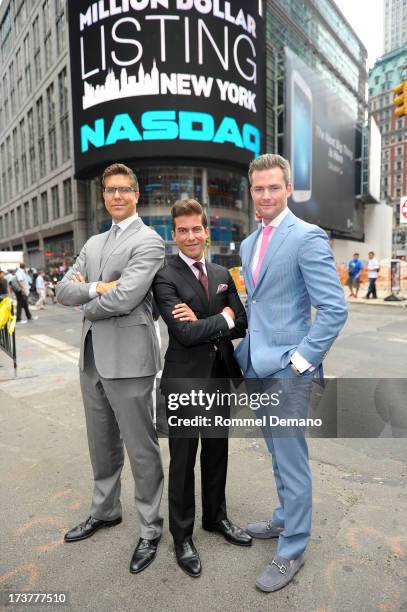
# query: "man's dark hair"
355,254
188,208
22,266
371,253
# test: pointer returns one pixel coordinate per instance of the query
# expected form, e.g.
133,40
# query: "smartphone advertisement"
320,142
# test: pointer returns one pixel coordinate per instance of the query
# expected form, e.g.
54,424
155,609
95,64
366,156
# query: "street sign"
403,209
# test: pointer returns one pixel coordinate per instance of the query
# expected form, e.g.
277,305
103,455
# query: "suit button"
254,302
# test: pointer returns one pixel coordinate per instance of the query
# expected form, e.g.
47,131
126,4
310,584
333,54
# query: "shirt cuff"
92,290
300,363
229,320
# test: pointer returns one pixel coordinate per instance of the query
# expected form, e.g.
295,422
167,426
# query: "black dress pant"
181,481
22,304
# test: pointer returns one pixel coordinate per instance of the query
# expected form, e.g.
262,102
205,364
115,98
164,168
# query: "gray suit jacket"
123,335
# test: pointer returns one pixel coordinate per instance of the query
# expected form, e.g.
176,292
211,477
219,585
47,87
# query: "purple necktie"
267,229
203,279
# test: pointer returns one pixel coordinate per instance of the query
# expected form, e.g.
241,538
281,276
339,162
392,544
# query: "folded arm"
133,284
187,333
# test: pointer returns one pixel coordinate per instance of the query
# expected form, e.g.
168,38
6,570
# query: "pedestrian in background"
4,292
354,268
21,287
373,268
40,289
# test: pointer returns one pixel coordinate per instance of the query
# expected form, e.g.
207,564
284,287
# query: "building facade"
49,214
383,77
395,24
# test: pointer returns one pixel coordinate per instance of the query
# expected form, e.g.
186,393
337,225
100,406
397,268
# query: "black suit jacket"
191,347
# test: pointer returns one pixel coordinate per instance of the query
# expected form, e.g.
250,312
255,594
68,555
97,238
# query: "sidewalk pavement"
380,301
356,560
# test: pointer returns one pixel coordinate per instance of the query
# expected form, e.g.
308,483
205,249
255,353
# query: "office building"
48,213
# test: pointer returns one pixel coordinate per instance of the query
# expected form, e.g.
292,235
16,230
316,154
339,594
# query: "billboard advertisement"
166,79
320,142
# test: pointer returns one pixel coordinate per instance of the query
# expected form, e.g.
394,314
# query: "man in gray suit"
119,359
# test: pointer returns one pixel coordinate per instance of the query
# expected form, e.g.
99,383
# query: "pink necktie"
267,229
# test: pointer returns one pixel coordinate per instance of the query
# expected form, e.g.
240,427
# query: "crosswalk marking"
62,350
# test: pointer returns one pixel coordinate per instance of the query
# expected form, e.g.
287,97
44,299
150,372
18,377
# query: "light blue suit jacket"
298,271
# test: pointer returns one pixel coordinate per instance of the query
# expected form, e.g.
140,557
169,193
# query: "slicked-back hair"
269,161
188,208
118,168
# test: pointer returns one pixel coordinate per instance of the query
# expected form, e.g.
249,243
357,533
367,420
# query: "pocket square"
221,288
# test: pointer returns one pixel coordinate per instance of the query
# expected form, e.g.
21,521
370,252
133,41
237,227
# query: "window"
41,140
60,25
9,160
35,211
63,112
52,136
5,97
16,162
12,80
37,49
44,207
21,17
19,220
67,197
31,145
46,19
1,108
24,169
27,62
27,223
55,202
3,172
12,223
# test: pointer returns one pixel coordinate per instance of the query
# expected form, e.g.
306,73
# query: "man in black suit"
199,303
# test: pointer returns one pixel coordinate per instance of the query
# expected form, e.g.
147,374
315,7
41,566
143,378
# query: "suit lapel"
190,278
123,236
250,248
212,284
281,233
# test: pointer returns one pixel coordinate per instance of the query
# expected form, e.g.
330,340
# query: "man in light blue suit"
288,267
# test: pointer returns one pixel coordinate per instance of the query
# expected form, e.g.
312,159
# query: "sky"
366,18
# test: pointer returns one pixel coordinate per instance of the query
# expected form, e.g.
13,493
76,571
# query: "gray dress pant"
121,410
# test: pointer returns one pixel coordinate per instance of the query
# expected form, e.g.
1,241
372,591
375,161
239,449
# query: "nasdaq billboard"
166,79
320,142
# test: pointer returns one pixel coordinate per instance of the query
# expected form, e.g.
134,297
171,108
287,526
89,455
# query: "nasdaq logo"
170,125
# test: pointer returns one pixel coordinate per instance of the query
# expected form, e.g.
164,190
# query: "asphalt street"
357,558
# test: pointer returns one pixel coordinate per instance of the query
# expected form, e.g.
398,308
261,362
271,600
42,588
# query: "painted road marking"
62,350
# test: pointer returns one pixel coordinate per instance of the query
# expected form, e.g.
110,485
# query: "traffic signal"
400,99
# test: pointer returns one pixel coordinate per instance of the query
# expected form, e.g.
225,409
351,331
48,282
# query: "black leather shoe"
231,532
188,557
88,528
144,554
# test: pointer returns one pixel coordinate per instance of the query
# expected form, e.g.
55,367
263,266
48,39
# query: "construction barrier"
8,330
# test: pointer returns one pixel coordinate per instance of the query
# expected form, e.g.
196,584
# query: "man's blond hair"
269,161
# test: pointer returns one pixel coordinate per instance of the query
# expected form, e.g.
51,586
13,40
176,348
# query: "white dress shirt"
372,267
190,262
301,364
123,225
